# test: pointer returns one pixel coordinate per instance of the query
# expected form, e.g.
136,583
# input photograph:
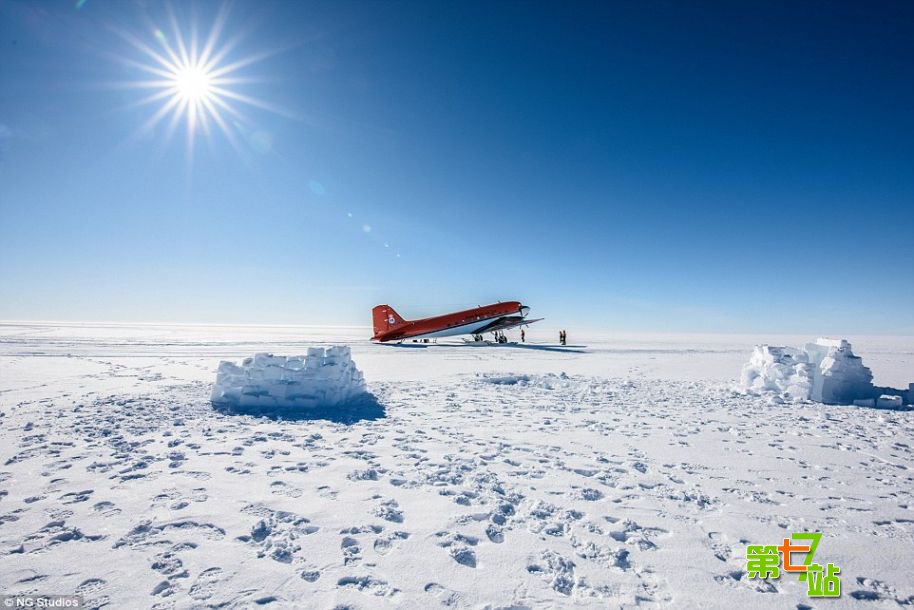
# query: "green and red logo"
768,561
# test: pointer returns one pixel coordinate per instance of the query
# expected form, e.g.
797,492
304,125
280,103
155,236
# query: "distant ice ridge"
826,371
322,378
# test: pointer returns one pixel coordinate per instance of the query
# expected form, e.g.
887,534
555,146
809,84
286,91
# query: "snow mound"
322,378
826,371
548,381
841,377
781,371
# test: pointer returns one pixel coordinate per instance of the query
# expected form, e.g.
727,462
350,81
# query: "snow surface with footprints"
625,473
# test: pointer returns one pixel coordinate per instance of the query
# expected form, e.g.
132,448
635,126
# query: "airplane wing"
506,322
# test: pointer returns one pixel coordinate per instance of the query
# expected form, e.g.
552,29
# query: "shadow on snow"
362,408
568,349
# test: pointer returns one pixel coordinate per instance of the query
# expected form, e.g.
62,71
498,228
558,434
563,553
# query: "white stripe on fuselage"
465,329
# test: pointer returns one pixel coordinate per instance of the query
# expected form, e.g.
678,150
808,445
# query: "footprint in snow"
283,489
310,575
369,585
458,546
352,552
555,569
446,596
107,509
206,584
389,511
386,544
74,497
90,586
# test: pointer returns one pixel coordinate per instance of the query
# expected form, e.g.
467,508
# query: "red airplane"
389,326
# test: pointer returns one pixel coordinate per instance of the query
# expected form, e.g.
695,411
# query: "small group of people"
563,337
499,337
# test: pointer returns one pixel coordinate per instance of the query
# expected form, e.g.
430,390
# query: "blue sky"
732,167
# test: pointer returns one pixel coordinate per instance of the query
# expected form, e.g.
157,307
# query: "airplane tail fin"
384,318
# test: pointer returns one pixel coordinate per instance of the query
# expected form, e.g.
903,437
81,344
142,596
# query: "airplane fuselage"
389,326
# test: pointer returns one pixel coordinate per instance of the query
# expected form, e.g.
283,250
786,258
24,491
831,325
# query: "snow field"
496,478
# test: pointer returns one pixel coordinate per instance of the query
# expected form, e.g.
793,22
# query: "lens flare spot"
317,188
261,141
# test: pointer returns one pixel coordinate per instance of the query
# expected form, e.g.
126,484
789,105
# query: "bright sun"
194,83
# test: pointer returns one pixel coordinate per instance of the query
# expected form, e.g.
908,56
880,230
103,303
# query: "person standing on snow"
522,339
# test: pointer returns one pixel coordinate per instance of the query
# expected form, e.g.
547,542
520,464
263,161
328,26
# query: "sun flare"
194,84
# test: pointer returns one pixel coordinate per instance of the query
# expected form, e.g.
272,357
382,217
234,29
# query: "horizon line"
12,322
